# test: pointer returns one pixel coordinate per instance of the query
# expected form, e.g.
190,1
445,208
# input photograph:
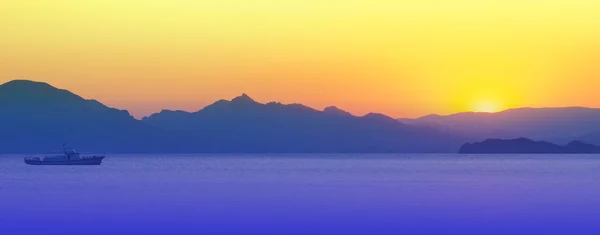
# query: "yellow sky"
402,58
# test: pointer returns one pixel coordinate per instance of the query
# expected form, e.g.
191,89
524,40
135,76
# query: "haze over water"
304,194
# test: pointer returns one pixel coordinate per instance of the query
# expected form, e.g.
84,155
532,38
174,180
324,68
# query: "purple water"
304,194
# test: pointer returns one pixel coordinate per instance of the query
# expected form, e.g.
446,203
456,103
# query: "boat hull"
86,161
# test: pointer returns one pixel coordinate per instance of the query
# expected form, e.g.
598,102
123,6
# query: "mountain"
244,125
37,117
548,124
526,146
591,137
336,111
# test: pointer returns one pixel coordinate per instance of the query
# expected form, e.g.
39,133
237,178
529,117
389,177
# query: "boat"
68,157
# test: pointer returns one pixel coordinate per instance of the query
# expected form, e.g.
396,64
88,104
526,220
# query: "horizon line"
320,110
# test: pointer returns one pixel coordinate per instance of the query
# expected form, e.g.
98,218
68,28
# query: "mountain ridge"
38,113
37,117
556,124
300,124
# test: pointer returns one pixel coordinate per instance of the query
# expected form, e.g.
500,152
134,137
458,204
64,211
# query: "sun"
487,106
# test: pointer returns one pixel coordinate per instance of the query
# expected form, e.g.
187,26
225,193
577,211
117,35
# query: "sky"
403,58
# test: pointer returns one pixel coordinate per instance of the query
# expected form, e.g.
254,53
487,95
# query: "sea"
304,194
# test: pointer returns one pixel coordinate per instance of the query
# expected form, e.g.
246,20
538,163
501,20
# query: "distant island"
524,145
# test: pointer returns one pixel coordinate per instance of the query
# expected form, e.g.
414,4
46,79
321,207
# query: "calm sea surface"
304,194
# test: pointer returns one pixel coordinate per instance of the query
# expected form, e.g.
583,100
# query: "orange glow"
403,58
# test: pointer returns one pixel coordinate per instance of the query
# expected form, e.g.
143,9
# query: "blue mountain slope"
559,125
244,125
36,117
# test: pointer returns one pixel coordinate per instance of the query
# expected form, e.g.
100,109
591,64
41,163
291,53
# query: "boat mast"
65,151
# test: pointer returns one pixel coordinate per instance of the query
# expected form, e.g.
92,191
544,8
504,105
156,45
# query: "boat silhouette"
68,157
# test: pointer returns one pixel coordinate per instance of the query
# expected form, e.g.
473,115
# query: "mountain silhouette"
336,111
526,146
591,137
244,125
559,125
37,117
243,99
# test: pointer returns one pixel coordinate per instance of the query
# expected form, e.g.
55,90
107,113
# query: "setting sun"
440,54
300,116
486,106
